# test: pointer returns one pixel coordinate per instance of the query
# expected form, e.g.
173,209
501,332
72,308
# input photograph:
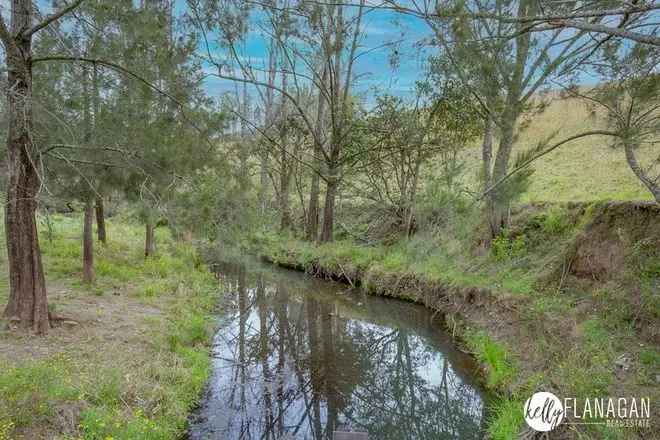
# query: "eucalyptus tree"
505,67
321,52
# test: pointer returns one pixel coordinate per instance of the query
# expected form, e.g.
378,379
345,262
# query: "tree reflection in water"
298,359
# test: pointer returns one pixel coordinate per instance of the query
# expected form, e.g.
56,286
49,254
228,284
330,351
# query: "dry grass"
587,169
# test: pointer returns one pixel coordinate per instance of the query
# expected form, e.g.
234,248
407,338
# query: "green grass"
494,356
506,419
106,391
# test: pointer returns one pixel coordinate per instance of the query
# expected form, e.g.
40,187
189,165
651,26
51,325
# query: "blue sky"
373,70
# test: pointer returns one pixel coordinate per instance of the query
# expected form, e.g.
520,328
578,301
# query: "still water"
300,358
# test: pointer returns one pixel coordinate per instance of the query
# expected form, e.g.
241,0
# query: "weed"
505,247
496,358
506,420
555,221
650,358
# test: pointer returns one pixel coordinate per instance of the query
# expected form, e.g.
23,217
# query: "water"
299,358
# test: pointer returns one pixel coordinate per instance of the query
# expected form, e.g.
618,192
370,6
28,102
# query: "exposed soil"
103,325
93,332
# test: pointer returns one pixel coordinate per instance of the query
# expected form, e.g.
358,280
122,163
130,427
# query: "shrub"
505,247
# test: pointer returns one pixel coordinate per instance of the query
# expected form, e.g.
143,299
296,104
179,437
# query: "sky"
373,69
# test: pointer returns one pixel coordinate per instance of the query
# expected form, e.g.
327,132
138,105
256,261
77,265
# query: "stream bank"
131,360
567,302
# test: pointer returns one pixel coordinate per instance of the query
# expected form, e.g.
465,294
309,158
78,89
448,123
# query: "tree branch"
51,18
133,75
617,32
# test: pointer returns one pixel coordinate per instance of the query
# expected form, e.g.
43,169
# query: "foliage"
505,247
506,419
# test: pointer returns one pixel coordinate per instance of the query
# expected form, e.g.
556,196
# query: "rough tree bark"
27,287
100,220
88,242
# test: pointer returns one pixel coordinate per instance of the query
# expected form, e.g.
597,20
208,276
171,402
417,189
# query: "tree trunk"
285,209
329,210
100,220
640,172
149,242
263,182
88,242
27,287
487,153
499,199
312,229
285,188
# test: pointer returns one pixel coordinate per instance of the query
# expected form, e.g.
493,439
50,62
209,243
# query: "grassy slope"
565,339
587,169
137,361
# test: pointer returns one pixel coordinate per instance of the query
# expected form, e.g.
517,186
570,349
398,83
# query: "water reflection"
299,359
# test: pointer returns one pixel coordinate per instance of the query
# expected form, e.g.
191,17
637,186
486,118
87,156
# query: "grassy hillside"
131,357
587,169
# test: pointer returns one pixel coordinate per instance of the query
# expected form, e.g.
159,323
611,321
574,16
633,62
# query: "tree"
407,138
27,287
326,45
505,68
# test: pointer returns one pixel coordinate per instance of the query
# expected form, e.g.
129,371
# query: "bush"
555,221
